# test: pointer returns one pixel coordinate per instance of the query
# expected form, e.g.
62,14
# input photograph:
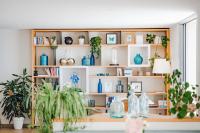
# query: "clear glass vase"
133,105
116,108
144,105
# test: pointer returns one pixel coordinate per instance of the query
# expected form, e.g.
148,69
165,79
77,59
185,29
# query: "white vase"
58,126
18,122
157,40
81,41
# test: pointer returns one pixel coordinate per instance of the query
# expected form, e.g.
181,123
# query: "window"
190,41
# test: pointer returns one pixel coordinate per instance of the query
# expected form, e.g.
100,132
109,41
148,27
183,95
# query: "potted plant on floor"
58,110
16,99
182,96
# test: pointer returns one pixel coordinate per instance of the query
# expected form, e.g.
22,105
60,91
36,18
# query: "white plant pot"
81,41
18,122
58,126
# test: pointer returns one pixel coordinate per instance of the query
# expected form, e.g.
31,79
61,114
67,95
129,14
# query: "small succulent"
150,38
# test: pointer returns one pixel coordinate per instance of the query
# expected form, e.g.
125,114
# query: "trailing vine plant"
95,43
182,95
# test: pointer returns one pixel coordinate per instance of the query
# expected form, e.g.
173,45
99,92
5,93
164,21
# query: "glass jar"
144,105
116,108
133,105
120,87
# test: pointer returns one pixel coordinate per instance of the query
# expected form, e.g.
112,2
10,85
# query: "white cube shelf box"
81,71
143,50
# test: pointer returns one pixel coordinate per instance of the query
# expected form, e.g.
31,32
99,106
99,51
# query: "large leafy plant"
95,43
67,105
182,96
16,100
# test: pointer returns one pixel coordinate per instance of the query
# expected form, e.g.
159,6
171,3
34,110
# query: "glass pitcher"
144,105
116,108
133,105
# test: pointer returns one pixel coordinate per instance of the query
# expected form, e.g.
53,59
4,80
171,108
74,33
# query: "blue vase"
92,60
43,59
84,61
138,59
99,86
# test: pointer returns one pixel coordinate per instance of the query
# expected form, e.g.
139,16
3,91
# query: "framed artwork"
136,86
111,38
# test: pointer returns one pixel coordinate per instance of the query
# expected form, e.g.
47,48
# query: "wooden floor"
10,130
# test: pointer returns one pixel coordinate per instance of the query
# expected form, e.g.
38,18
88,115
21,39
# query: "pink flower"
134,126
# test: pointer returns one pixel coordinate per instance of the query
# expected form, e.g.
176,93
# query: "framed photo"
136,86
111,38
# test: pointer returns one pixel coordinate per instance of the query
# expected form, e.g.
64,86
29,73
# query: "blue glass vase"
84,61
99,86
43,59
138,59
92,60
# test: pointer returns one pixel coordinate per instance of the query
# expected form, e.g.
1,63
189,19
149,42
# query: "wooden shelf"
94,76
157,108
107,94
153,93
45,66
45,76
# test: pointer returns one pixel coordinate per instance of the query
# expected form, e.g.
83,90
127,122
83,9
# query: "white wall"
15,54
176,46
198,53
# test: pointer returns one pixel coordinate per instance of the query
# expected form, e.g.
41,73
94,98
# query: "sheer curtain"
190,51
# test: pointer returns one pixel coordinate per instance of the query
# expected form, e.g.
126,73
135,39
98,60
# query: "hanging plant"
95,43
164,41
152,59
150,38
182,96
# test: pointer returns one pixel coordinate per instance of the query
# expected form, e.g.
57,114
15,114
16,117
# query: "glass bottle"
144,105
133,105
116,108
120,87
92,60
84,61
99,86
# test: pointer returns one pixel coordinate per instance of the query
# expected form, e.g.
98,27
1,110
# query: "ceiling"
29,14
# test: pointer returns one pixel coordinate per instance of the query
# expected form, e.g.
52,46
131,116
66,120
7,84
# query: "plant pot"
58,125
81,41
18,122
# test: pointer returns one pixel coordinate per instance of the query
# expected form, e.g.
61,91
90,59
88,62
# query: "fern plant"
66,104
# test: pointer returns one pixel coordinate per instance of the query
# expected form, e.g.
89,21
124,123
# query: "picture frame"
136,86
111,38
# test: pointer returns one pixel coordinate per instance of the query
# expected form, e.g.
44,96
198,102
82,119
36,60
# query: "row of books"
42,40
52,71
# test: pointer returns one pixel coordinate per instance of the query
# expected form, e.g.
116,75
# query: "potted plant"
182,95
59,110
95,43
150,38
164,40
16,102
81,39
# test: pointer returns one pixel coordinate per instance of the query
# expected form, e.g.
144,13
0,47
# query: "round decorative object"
63,61
138,59
68,40
70,61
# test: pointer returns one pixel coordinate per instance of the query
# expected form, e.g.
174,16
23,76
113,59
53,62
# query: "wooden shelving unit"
152,84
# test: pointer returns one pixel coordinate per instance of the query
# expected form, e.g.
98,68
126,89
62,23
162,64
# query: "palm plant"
51,104
16,96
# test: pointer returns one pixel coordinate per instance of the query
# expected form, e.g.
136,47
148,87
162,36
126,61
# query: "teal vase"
138,59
